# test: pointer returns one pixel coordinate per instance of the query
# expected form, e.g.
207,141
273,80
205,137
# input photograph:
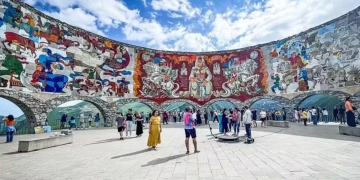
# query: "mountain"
75,111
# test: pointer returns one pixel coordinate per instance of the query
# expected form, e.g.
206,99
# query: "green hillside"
75,111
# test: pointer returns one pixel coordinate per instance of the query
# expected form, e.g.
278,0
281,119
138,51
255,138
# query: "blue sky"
195,25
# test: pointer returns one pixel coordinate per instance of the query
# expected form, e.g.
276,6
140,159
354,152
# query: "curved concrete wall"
40,54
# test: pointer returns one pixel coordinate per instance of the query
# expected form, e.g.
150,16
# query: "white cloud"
144,1
181,6
234,27
209,3
174,15
83,20
274,20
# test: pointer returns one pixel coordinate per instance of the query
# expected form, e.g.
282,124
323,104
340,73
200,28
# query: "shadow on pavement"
163,160
109,140
133,153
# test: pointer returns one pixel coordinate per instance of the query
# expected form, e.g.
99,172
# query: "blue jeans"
236,126
278,117
248,130
72,125
9,136
314,119
326,118
10,130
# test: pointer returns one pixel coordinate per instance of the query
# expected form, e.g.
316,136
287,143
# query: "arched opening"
75,109
217,106
179,107
24,117
136,107
322,101
267,105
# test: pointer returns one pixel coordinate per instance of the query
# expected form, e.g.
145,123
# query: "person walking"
350,117
90,119
263,118
341,115
120,124
129,122
189,126
97,120
82,121
165,117
247,122
10,128
63,121
304,116
72,123
139,124
154,130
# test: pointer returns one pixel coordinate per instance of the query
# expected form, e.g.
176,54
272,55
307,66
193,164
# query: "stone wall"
89,65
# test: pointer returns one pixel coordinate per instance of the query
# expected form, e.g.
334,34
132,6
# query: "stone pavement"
294,153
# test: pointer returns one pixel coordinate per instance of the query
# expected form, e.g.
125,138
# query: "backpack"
187,119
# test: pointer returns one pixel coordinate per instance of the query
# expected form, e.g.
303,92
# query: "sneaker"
196,151
187,152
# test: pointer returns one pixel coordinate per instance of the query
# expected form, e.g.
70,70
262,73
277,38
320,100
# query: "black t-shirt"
129,117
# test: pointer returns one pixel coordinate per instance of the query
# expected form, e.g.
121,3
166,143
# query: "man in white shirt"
247,121
263,117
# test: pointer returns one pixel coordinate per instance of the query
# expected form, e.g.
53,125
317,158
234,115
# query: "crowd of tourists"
124,123
230,119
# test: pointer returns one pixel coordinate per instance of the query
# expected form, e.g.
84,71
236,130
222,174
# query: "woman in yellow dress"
154,130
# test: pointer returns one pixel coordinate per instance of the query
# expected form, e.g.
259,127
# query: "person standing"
350,113
120,125
189,126
129,119
304,116
248,121
254,117
97,120
225,121
314,115
284,114
336,114
139,124
296,115
325,115
63,121
198,117
82,121
10,128
154,130
90,119
235,121
165,117
72,123
263,117
341,115
242,111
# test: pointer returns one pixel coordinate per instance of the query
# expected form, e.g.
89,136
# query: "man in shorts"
190,130
120,124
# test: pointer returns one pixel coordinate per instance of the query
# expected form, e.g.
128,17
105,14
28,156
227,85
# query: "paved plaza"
295,153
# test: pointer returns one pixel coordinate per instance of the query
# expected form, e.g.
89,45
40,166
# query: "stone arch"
165,104
105,108
297,100
29,105
121,102
235,102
